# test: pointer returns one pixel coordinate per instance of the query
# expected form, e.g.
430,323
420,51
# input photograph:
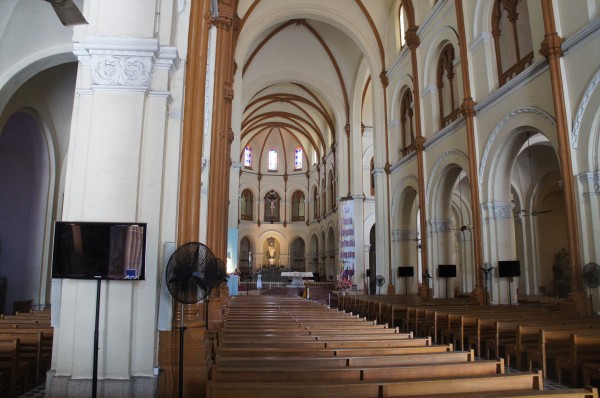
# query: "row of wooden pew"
272,346
25,351
535,336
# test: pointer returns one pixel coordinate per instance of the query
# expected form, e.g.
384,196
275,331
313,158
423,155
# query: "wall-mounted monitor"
447,270
404,272
99,250
509,269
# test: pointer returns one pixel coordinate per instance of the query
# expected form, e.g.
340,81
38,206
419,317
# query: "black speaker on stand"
406,272
509,269
368,275
447,271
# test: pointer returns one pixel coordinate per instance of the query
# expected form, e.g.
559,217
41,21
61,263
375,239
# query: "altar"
297,277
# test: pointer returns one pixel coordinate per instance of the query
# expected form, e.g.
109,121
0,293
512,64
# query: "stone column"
115,171
468,110
222,134
551,49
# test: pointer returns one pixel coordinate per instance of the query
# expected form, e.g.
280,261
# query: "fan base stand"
197,361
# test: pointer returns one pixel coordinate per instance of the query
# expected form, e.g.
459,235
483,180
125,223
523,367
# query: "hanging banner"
347,243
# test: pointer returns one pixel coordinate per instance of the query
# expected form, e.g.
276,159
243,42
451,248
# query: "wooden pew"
355,361
269,374
17,371
582,349
365,389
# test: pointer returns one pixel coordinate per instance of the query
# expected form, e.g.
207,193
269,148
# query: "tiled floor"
37,392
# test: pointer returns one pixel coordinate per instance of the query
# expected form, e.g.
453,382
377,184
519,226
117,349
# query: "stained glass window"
298,158
272,159
248,156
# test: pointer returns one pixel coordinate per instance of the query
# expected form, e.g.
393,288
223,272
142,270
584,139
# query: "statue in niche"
271,251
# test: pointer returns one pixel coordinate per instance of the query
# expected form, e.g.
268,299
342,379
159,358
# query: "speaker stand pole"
96,333
406,284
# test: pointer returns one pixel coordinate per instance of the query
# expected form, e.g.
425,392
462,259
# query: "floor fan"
591,278
191,273
379,281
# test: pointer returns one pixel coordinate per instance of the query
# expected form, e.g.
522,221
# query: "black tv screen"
404,272
99,250
447,271
509,269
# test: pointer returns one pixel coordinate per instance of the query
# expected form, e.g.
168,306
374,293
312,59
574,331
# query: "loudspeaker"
447,270
368,273
165,303
509,269
406,272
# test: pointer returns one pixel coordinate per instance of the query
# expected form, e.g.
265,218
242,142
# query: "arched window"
248,156
272,159
298,158
272,203
247,205
407,133
315,203
402,24
298,206
324,195
512,38
331,191
447,87
372,176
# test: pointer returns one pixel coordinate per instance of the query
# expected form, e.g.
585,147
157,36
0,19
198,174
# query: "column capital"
412,38
384,78
552,46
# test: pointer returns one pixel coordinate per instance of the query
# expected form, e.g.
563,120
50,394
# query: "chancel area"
268,198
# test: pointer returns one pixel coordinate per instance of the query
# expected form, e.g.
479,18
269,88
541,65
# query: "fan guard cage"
191,273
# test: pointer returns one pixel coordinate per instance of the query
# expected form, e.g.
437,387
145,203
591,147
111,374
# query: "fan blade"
199,281
68,12
543,212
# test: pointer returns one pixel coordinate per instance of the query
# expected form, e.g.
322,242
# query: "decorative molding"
431,17
402,235
437,164
592,180
500,125
439,225
582,107
121,70
378,170
499,210
446,131
587,32
404,53
513,85
482,38
124,63
404,160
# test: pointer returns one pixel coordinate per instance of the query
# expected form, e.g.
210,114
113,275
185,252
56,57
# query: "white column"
115,172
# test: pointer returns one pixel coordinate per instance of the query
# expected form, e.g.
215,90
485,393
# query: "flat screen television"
509,269
99,250
404,272
447,270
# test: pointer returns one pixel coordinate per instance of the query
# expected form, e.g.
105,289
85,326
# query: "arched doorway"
297,255
25,179
245,259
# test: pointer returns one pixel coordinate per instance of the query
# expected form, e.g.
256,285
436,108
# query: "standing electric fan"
191,274
379,281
